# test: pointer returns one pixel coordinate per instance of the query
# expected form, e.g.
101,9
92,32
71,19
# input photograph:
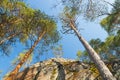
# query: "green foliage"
112,22
10,22
82,56
105,23
95,71
79,54
96,44
109,40
116,6
28,24
16,17
109,49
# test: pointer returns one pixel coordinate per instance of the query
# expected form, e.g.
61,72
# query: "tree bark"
104,71
26,56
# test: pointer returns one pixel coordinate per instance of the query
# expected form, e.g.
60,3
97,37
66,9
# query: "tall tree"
70,13
109,49
22,23
45,30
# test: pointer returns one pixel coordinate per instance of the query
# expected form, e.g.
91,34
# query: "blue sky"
70,42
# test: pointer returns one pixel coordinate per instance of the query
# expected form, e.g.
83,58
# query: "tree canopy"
20,23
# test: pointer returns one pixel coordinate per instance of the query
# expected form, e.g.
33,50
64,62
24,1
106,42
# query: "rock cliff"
64,69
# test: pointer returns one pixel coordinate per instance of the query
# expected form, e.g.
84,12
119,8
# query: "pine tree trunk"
26,56
104,71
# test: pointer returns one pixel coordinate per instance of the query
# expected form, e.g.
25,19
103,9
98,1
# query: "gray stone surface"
62,69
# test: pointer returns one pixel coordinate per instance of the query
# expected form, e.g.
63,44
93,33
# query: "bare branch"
109,4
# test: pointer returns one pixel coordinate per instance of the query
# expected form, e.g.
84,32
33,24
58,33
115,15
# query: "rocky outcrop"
63,69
